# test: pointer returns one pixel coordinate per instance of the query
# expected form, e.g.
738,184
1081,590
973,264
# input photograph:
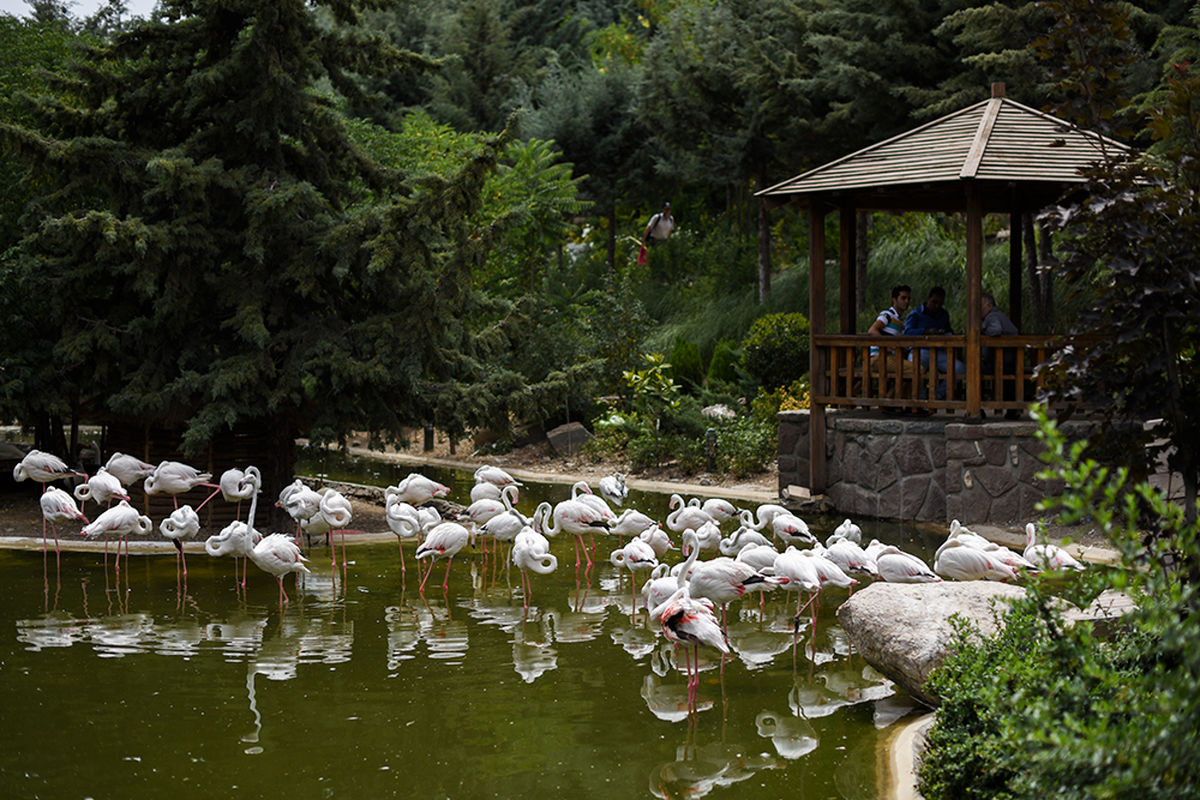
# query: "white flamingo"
183,523
735,542
175,478
960,561
848,531
58,508
102,488
791,530
631,522
42,468
658,540
896,566
279,555
759,556
685,516
851,558
574,518
797,573
416,489
690,622
127,469
531,553
612,487
1048,556
635,556
117,521
495,475
444,541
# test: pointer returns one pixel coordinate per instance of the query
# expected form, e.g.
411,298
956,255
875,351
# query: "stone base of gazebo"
930,469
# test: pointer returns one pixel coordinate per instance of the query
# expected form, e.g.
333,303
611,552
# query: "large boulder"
567,439
903,630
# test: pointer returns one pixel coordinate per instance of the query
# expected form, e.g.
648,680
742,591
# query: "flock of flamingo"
681,598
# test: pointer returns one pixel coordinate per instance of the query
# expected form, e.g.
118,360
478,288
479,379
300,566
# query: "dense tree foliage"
429,210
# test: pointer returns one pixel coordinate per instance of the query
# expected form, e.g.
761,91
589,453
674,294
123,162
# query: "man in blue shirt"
931,319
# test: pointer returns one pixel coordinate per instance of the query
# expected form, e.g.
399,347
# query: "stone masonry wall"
924,469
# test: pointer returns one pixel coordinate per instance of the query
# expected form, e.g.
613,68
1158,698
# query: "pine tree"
212,248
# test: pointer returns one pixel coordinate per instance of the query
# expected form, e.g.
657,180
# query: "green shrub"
775,351
1047,710
686,364
767,404
722,367
746,446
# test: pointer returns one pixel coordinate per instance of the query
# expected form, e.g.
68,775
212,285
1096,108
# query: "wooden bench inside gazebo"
997,156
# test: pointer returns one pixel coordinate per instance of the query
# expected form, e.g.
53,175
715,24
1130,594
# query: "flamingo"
531,553
851,558
685,516
791,529
658,587
58,507
300,502
119,521
236,485
719,509
127,469
183,523
723,580
573,517
416,489
403,521
1048,556
582,493
797,573
658,540
612,487
279,555
767,512
960,561
485,491
896,566
631,522
337,512
42,468
495,475
708,536
102,488
480,511
235,539
735,542
689,621
759,556
175,478
848,531
636,556
829,574
444,541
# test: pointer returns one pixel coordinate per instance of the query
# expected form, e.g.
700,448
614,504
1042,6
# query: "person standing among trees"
659,228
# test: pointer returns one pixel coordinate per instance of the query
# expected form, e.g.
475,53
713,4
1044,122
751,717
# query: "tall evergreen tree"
212,248
726,97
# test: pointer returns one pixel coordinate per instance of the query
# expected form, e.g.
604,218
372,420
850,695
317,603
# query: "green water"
361,687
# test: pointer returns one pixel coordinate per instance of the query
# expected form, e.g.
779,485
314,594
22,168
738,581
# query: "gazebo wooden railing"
887,372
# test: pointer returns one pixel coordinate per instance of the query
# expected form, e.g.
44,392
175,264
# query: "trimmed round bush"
775,351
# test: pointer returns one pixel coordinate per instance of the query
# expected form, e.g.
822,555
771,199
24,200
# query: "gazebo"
997,156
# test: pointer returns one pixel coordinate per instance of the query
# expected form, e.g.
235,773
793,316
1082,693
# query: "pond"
144,685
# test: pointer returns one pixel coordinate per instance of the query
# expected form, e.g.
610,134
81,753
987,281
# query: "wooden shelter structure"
997,156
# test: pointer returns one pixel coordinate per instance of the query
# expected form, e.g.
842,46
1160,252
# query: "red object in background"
642,256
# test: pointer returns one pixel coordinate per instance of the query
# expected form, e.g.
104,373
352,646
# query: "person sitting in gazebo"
931,319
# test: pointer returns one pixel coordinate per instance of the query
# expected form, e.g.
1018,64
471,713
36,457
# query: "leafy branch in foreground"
1050,711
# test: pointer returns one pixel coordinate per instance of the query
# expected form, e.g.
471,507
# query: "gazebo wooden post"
816,357
848,224
974,290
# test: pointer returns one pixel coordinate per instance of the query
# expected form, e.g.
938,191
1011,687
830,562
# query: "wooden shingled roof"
1011,153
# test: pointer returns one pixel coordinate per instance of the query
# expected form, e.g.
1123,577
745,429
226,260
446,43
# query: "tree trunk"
764,252
278,471
1040,320
860,261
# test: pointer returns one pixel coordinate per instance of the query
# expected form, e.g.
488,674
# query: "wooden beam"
816,360
974,290
848,251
